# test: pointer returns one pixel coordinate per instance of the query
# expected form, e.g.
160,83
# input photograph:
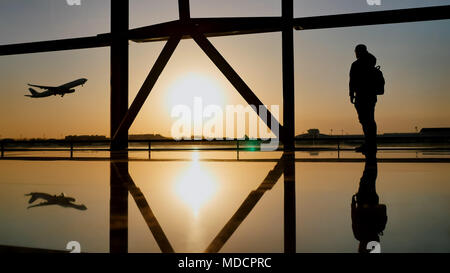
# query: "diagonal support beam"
147,86
236,80
146,211
247,206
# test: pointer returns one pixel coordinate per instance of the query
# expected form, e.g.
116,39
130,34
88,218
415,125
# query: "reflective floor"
197,202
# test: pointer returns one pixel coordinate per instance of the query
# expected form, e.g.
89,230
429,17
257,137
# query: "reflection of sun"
196,186
185,89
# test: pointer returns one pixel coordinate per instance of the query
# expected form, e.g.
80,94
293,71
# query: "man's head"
360,50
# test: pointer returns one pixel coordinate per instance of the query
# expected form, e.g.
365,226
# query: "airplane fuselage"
73,84
56,90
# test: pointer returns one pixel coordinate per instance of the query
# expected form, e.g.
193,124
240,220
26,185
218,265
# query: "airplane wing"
41,204
43,87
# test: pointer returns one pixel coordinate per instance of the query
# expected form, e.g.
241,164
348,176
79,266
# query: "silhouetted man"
363,96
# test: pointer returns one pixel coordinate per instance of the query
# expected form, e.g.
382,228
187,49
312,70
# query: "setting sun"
191,85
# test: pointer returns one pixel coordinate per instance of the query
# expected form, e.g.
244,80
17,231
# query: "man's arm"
351,86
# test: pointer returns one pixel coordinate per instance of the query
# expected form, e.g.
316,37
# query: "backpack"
378,80
368,220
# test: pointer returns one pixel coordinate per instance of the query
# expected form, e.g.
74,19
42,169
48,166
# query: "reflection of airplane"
369,217
55,90
60,200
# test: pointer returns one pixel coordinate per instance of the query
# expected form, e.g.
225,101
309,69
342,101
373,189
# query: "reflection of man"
363,96
368,216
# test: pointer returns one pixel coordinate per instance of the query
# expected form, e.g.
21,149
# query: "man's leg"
369,127
366,116
361,110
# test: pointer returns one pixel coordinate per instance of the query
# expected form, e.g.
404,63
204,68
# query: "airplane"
55,90
60,200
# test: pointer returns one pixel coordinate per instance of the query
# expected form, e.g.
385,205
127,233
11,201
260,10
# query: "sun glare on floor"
196,186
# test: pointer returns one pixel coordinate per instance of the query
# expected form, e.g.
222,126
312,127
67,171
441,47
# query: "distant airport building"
146,137
435,131
85,138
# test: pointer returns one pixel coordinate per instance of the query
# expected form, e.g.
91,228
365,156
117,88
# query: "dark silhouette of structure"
125,185
363,96
435,132
369,217
199,29
285,166
60,200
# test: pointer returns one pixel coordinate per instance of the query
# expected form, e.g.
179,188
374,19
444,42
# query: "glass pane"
28,21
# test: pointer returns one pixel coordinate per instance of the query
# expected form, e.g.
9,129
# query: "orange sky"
413,56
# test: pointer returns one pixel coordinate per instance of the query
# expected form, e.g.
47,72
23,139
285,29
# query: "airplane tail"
32,91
